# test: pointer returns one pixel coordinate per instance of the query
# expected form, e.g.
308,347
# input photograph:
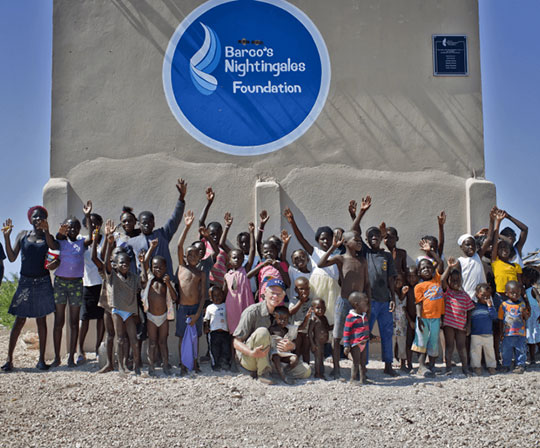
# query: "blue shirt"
163,234
482,318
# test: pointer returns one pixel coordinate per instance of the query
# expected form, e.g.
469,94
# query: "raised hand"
452,262
228,219
264,217
353,205
210,194
285,237
425,245
288,215
493,212
365,204
203,231
109,227
7,227
338,239
63,230
442,218
500,215
382,228
154,243
181,186
251,227
87,208
189,217
141,255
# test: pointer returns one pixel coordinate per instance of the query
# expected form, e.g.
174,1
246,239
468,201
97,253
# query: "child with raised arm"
390,236
158,296
482,318
122,288
514,313
429,309
457,316
278,330
510,235
437,245
103,298
299,307
236,287
192,283
356,334
270,267
324,282
162,234
300,268
318,329
401,322
353,272
68,282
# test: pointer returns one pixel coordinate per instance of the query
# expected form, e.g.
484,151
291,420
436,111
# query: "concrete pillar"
480,197
267,197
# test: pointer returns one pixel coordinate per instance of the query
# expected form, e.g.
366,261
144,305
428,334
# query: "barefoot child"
193,292
514,313
324,282
215,325
401,322
299,307
158,296
122,288
318,334
429,309
299,268
412,281
482,318
354,276
279,330
530,277
457,316
356,334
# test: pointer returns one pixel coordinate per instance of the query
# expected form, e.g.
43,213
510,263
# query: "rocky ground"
79,408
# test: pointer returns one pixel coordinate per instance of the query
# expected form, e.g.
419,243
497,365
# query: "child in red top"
356,334
457,317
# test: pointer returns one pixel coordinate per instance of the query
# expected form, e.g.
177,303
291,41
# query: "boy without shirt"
192,285
353,273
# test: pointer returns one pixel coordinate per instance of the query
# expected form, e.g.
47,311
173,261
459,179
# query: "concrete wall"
389,128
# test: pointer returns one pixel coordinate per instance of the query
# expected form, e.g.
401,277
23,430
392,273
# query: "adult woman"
34,295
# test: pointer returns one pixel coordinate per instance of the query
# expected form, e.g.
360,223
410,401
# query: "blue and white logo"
246,77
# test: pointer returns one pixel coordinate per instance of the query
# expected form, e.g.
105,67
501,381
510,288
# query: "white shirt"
216,315
472,273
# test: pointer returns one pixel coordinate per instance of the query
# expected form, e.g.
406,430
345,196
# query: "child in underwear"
122,289
356,335
279,330
158,296
318,334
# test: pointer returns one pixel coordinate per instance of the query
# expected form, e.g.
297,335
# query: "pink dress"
239,296
268,273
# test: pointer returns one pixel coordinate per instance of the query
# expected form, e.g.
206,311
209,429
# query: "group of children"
122,276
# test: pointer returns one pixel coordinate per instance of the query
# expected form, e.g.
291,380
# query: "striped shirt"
456,304
218,271
356,329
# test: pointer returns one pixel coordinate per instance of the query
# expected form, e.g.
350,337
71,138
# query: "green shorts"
68,291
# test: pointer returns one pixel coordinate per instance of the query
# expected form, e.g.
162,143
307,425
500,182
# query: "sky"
510,67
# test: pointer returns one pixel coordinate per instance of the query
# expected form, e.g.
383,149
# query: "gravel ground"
77,407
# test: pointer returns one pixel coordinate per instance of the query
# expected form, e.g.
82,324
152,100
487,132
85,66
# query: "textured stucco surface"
389,127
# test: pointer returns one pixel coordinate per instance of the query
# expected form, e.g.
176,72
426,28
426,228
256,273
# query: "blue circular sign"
246,77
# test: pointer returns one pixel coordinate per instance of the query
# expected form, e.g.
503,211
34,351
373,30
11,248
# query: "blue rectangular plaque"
450,55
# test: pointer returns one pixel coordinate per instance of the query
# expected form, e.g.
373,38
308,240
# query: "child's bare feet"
151,370
106,368
71,363
335,373
388,370
55,363
167,369
137,370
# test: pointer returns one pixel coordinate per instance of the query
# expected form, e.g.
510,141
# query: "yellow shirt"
504,272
